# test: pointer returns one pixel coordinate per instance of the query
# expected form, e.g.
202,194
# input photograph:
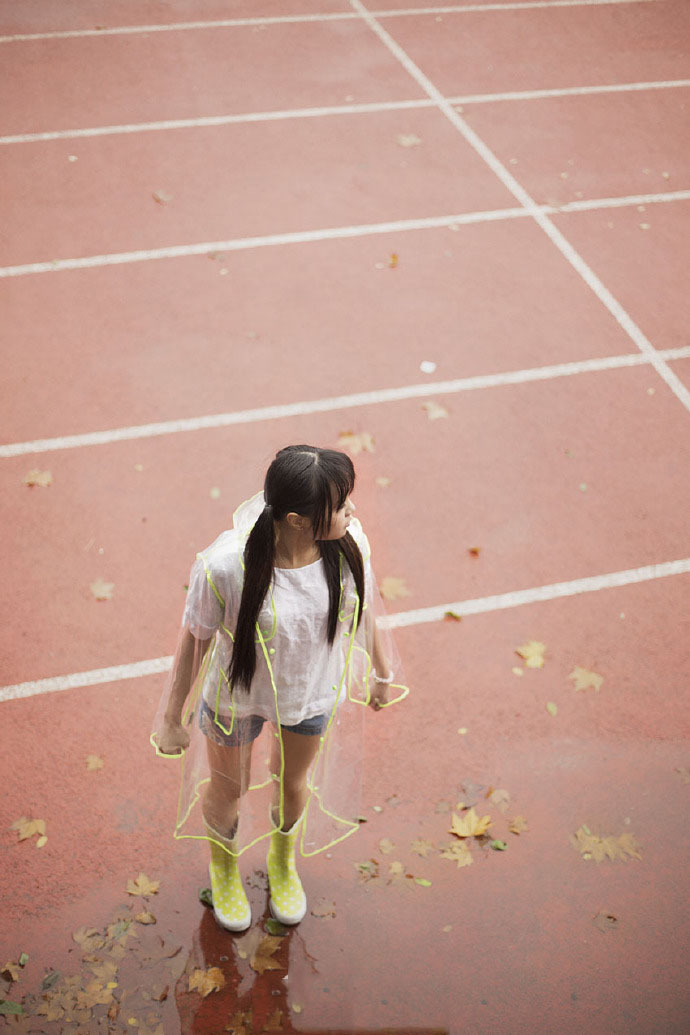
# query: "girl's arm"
172,737
382,667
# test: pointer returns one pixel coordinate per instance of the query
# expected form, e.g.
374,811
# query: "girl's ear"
298,522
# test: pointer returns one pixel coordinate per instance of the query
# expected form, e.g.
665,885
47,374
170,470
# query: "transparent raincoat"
298,675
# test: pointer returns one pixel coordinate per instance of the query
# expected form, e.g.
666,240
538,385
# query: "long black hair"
313,483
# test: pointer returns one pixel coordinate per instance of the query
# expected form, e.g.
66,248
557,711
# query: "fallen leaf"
36,477
240,1023
393,261
498,846
422,847
42,841
8,1007
161,197
274,1022
552,708
518,825
434,411
423,882
396,872
377,808
102,590
533,653
324,908
383,481
447,928
683,772
297,1007
459,852
517,671
262,959
145,918
500,797
142,886
408,140
591,846
367,870
605,921
469,825
12,969
206,981
452,616
356,442
274,926
23,959
386,846
93,762
392,588
246,945
28,827
584,679
474,551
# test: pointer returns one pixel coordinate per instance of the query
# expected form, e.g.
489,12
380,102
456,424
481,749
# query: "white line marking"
207,121
225,23
480,605
332,233
300,409
517,190
242,243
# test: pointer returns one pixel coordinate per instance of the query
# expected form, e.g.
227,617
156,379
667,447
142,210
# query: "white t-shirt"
307,670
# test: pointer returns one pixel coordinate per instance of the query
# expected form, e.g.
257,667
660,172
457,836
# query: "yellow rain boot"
230,905
288,903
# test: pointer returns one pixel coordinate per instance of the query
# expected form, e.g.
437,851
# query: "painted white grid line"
231,23
341,402
328,111
564,246
333,233
480,605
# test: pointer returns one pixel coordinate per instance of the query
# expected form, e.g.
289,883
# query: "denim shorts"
247,729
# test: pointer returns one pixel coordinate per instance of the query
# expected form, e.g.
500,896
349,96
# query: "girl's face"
340,519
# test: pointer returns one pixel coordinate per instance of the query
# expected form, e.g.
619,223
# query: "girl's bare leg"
229,768
299,750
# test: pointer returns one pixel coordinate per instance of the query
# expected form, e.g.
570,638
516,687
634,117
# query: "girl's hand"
378,695
172,738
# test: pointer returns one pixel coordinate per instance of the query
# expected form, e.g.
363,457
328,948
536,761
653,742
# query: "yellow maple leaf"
434,411
36,477
392,588
206,981
533,653
102,590
28,827
94,762
356,441
263,957
469,825
584,679
142,886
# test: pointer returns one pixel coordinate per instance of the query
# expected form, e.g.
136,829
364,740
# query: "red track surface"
556,479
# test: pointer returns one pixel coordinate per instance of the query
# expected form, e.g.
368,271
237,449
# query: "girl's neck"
294,549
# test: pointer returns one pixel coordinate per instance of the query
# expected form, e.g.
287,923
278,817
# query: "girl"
280,635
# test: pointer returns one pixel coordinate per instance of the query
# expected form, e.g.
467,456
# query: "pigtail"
331,551
258,572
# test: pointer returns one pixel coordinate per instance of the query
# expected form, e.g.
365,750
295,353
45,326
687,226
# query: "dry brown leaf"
434,411
386,846
470,825
356,441
408,140
12,970
102,590
459,852
584,679
28,827
500,797
89,938
474,551
533,653
142,886
392,588
263,957
591,846
422,847
518,825
274,1022
324,908
368,870
93,762
36,477
206,981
